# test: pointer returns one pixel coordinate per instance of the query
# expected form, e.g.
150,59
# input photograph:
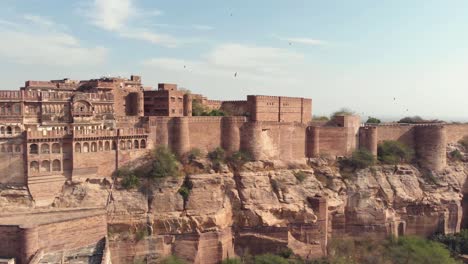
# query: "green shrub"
184,192
128,178
417,250
270,259
457,243
130,182
231,261
320,118
394,152
215,112
286,253
164,163
300,176
456,155
343,112
238,159
172,260
412,120
217,157
192,155
197,108
360,159
373,120
141,233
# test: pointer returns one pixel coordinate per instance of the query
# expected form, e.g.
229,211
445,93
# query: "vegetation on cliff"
360,159
164,163
394,152
457,243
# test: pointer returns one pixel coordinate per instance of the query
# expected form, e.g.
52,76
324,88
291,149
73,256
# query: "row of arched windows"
107,146
9,130
44,148
10,148
45,166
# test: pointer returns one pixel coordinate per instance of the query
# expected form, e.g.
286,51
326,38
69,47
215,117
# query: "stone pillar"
250,140
140,104
187,104
162,131
313,142
431,145
29,243
181,143
320,207
368,139
230,134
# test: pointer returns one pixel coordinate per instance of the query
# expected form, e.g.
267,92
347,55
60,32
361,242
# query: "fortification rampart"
24,235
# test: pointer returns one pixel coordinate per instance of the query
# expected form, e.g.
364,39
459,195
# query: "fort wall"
368,138
431,144
24,235
404,134
11,245
456,132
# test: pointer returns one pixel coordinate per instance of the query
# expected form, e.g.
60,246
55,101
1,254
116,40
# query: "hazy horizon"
387,59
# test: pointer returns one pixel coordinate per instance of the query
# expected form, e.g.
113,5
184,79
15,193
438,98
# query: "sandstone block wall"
23,241
10,241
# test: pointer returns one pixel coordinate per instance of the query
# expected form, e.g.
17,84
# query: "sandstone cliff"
268,207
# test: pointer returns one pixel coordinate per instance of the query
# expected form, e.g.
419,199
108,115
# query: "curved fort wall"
368,139
431,144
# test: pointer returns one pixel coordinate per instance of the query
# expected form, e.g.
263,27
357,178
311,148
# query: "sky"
388,58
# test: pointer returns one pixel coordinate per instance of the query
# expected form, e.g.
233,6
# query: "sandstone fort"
61,132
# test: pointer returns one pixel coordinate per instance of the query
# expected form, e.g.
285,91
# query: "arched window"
101,147
45,166
56,148
45,148
9,148
107,146
2,130
86,147
114,145
129,144
136,144
33,149
93,147
122,144
9,131
18,148
34,166
17,130
56,165
77,147
143,143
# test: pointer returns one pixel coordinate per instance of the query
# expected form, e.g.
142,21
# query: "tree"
373,120
412,120
394,152
343,112
164,163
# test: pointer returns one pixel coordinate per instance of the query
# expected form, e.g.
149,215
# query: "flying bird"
235,74
185,66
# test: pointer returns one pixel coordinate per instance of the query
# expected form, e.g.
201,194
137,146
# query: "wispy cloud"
250,62
190,27
37,40
122,16
39,20
303,40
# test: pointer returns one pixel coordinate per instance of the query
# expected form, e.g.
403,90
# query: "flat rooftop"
42,217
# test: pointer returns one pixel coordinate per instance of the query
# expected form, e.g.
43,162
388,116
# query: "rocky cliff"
267,207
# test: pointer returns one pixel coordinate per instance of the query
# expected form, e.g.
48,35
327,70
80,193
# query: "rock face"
266,210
